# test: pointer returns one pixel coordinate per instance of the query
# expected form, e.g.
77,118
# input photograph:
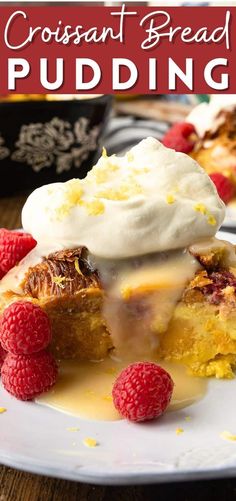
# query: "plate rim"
121,479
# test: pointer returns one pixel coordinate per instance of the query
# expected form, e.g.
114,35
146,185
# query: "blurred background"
52,138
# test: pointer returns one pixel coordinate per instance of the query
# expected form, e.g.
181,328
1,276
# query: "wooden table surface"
20,486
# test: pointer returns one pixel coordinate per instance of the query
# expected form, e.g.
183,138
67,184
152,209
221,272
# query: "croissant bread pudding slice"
215,147
201,333
126,258
216,151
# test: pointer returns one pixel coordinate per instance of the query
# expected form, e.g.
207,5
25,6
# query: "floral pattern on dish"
58,142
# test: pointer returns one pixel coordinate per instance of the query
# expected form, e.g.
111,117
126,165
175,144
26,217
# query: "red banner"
130,49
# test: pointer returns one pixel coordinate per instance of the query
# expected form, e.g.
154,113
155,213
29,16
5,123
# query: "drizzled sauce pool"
84,389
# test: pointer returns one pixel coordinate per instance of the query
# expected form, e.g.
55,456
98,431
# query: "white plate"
36,439
230,218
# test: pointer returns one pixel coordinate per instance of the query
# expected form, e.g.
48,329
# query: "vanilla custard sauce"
140,297
84,389
209,245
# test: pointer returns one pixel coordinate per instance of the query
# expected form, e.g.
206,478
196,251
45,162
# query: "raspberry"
142,391
14,245
25,328
224,186
214,291
177,137
27,376
2,356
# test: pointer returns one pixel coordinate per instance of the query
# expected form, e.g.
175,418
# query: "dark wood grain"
20,486
10,212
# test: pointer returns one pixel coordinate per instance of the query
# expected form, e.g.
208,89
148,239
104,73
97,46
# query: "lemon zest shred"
129,156
140,171
95,207
226,435
72,191
77,267
90,442
108,398
211,220
205,212
104,152
58,280
201,208
125,191
178,431
170,198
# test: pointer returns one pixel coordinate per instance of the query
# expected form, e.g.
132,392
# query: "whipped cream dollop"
150,200
207,116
